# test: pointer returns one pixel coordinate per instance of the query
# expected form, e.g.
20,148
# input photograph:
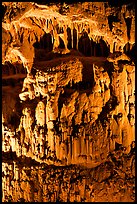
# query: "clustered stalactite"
62,39
62,35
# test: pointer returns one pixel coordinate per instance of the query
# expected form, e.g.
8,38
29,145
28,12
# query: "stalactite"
50,21
79,26
77,38
69,152
72,35
44,21
76,148
90,148
111,47
59,24
82,145
47,23
52,39
65,36
87,148
116,47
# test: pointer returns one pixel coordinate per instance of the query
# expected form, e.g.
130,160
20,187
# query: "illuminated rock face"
68,83
72,119
93,28
29,182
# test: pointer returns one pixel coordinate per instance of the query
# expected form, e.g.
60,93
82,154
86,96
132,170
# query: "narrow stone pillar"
79,145
75,149
72,35
51,139
57,148
82,145
47,23
90,148
65,135
126,138
77,37
69,151
111,47
132,30
87,148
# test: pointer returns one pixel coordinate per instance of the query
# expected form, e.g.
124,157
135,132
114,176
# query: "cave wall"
73,108
66,119
68,102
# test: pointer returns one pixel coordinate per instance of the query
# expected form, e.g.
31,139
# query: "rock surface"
68,96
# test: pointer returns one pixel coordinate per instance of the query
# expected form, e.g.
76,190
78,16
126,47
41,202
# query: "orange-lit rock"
68,80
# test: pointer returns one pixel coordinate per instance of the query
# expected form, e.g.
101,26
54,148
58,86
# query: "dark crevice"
109,106
44,43
3,10
117,3
69,45
128,23
61,43
90,48
86,46
130,51
112,19
74,39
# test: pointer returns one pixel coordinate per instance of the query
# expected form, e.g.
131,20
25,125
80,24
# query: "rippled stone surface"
24,179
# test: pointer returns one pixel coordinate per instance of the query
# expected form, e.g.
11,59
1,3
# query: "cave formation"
68,102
